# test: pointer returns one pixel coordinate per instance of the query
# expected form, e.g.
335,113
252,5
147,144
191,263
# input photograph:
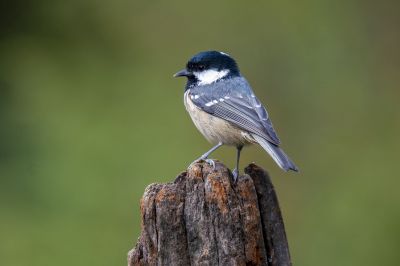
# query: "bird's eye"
202,67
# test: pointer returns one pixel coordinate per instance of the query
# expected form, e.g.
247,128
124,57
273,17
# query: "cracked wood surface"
203,218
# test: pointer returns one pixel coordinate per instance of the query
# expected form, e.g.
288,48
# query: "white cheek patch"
209,76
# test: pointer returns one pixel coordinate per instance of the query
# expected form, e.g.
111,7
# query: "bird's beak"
182,73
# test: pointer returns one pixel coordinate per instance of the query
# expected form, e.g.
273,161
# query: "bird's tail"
277,154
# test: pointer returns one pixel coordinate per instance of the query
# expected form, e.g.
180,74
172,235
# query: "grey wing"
235,102
264,118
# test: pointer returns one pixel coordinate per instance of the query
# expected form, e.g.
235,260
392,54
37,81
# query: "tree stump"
204,218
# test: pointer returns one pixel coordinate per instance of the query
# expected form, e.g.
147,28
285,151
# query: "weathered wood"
203,218
271,217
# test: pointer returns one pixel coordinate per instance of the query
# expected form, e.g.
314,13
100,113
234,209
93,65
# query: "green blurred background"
90,115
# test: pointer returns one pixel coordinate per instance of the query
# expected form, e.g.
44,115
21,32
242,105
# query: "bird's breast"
215,129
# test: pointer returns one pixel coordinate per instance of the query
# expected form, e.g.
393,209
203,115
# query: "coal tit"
225,109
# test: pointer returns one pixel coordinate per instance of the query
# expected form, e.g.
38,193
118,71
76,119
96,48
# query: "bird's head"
207,67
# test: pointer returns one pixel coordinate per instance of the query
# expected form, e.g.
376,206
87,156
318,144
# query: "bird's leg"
205,155
235,172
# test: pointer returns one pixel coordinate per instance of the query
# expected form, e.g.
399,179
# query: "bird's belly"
215,129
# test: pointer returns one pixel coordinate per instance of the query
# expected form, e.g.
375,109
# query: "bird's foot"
235,174
211,162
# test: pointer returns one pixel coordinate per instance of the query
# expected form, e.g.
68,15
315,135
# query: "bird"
224,108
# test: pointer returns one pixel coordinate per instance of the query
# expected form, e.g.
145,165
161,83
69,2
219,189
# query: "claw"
210,162
235,174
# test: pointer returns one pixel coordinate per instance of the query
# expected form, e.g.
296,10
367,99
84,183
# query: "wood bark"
204,218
